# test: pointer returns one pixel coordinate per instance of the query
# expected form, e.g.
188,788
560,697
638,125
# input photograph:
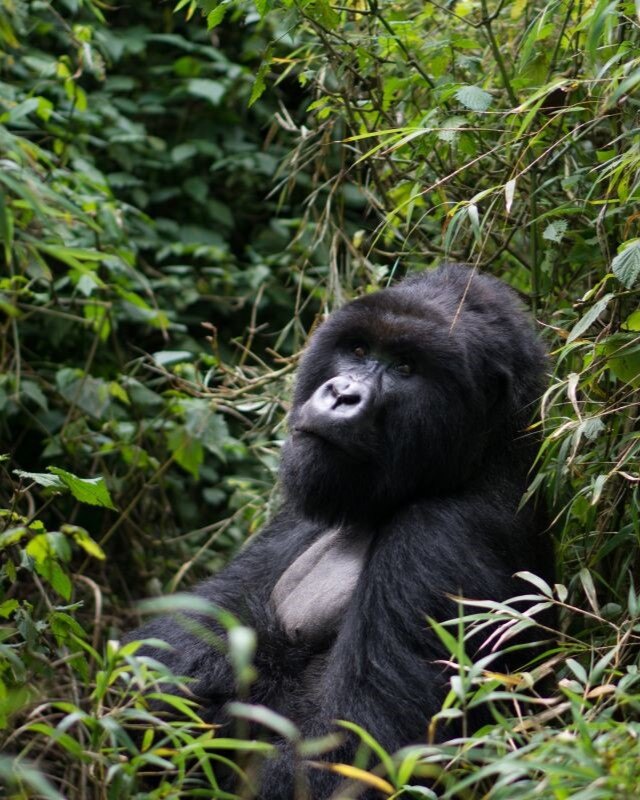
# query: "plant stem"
495,49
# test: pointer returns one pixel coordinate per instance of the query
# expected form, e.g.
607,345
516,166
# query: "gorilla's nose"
340,398
345,391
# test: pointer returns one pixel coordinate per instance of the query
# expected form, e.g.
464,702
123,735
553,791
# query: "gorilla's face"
389,407
408,393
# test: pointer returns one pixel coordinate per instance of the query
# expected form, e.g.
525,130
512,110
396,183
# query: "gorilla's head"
411,392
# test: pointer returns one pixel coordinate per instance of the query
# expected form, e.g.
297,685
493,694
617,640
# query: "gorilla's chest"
313,593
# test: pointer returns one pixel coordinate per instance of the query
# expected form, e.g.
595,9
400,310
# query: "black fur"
429,462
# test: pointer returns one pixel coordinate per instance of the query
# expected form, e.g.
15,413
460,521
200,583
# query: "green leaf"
45,549
203,425
578,670
21,110
216,16
62,623
167,357
6,223
82,538
260,84
623,356
626,265
89,394
585,322
92,491
13,769
8,607
262,6
555,230
213,91
449,130
41,478
589,589
264,716
373,744
474,97
31,390
632,322
13,536
540,584
187,451
48,546
63,739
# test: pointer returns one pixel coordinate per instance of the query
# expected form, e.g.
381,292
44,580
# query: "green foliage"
133,211
178,198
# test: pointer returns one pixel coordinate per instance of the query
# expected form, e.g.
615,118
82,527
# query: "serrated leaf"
92,491
626,265
555,230
449,131
474,97
41,478
592,427
585,322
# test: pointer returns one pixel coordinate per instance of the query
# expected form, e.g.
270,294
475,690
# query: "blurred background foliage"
183,191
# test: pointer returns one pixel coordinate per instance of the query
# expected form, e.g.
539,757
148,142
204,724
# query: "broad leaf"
474,97
585,322
626,265
92,491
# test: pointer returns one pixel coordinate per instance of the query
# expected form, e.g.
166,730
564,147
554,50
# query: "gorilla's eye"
360,351
404,368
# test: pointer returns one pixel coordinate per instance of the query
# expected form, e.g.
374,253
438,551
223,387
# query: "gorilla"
402,481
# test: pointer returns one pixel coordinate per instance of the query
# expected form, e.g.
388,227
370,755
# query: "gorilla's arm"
242,588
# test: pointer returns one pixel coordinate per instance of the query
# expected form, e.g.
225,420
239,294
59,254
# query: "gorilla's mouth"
330,440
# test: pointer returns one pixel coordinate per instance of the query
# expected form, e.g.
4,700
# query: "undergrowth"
181,195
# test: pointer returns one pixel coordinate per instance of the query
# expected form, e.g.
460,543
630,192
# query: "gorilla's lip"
308,431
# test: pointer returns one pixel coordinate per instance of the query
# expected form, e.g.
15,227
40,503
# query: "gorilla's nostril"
345,392
350,399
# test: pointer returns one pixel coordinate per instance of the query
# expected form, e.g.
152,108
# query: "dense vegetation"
182,192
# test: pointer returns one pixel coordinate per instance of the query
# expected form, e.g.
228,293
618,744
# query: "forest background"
184,191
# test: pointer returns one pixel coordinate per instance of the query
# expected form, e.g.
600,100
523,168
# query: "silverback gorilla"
402,477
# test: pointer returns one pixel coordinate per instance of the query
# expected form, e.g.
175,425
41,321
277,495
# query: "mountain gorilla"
402,477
